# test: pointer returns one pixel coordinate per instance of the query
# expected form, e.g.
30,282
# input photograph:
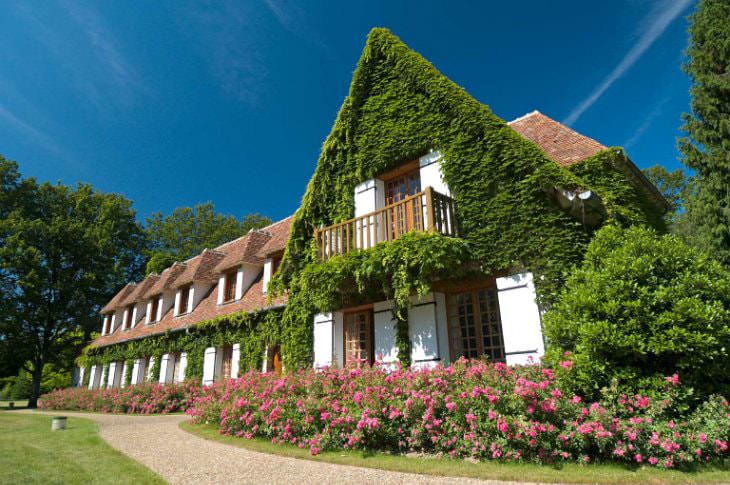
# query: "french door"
358,333
475,325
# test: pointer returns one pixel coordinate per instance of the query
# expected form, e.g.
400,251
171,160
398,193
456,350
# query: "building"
384,172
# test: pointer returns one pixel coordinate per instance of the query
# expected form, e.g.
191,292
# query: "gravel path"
182,458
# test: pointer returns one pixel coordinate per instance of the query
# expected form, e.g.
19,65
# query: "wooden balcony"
425,211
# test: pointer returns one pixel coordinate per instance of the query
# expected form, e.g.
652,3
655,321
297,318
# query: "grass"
18,404
30,453
567,473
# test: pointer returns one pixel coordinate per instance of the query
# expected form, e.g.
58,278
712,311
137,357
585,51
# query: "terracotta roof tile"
116,301
208,308
243,250
199,268
279,235
140,289
560,143
166,280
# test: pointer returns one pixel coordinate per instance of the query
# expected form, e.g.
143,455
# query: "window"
475,326
128,317
230,286
273,363
358,337
400,184
226,361
400,187
154,306
275,262
184,299
105,326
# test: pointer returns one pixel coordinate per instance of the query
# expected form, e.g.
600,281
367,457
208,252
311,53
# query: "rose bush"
470,409
147,398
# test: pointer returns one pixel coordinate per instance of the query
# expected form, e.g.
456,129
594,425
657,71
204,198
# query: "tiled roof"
560,143
243,250
165,281
199,268
254,299
140,289
115,302
279,235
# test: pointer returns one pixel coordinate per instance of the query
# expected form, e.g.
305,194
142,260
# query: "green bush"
641,307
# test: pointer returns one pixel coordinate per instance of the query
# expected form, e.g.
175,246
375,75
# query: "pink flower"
673,379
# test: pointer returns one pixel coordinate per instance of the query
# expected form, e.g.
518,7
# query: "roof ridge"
531,113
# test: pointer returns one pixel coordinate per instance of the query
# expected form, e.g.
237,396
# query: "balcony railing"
424,211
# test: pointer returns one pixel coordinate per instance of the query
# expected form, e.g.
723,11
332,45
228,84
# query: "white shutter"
163,368
110,375
150,363
183,364
323,340
123,381
235,357
423,333
521,327
221,289
135,371
92,376
209,366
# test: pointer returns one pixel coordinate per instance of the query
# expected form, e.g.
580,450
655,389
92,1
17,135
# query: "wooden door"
358,337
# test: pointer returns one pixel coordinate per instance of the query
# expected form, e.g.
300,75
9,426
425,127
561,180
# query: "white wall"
431,175
521,326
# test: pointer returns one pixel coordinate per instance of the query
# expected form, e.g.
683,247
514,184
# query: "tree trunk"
35,389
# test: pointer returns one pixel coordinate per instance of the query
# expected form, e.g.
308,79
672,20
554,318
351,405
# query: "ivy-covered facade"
431,229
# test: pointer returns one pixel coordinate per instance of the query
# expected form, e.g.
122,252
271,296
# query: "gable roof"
115,302
568,147
243,250
279,235
562,144
199,268
140,289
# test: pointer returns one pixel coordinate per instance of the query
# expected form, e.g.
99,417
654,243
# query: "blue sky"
177,102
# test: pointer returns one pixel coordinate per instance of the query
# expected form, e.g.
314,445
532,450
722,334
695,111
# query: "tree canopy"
706,146
64,251
188,230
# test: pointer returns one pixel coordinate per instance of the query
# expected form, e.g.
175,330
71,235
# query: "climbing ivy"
398,108
254,331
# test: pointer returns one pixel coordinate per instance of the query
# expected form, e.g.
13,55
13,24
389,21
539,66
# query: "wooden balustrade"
425,211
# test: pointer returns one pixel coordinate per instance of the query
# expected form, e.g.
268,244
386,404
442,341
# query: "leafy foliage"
397,109
640,307
64,251
253,331
674,186
189,230
706,146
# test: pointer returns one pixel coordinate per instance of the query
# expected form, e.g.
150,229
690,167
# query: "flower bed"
148,398
470,409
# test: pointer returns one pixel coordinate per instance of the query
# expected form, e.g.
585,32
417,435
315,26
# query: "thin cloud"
646,124
32,134
105,48
291,17
662,17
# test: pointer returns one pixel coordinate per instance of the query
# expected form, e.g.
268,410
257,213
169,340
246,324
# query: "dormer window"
154,306
184,300
275,262
128,317
229,293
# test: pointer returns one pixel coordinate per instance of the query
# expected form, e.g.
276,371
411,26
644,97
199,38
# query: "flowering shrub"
148,398
470,409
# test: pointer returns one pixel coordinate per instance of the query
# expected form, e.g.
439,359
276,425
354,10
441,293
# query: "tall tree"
64,251
189,230
706,146
673,186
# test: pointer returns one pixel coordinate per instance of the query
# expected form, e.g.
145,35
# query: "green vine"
398,108
254,331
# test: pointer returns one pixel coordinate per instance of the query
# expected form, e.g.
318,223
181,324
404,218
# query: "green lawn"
18,404
30,453
484,470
